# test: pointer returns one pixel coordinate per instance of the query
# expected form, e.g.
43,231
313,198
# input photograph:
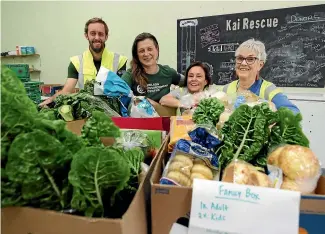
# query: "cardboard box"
159,123
170,203
163,111
24,220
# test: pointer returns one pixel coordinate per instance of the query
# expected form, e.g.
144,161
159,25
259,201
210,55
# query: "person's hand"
45,103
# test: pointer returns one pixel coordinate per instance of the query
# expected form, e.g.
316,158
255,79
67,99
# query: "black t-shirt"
73,73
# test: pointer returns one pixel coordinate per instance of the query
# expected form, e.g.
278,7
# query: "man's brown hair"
96,20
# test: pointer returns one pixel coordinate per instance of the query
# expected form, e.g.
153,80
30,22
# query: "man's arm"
69,86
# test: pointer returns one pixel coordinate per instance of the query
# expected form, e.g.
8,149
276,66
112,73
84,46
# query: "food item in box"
296,185
224,118
301,168
208,111
179,128
240,172
296,162
141,108
187,162
206,136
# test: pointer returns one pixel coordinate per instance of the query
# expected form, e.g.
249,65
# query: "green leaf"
288,129
208,111
33,159
97,126
95,173
246,133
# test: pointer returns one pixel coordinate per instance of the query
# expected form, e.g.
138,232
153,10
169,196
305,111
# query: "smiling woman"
146,77
197,78
250,58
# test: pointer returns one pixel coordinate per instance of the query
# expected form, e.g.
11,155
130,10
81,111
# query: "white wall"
56,28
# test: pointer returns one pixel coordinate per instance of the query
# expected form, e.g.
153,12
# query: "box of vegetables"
242,140
54,181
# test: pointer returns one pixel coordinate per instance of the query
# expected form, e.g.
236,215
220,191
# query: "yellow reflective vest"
85,66
267,90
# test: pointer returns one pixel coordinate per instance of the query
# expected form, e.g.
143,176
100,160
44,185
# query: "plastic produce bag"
142,108
249,98
133,138
241,172
300,166
188,161
224,116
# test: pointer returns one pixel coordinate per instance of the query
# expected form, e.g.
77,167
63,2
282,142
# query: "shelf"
21,56
34,70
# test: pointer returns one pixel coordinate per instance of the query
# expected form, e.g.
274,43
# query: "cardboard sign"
219,207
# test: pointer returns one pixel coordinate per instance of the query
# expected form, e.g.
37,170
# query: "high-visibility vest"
267,91
85,66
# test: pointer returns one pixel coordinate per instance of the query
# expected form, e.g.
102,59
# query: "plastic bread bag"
300,166
188,161
241,172
213,92
206,136
249,98
142,108
179,128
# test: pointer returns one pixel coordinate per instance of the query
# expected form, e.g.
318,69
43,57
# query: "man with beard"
83,68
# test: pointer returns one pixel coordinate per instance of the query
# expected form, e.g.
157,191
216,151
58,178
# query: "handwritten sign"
226,208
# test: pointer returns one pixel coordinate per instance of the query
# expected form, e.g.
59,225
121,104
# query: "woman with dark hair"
146,77
197,78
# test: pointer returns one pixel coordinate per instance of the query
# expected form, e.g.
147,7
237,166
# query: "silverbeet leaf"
246,133
97,173
34,161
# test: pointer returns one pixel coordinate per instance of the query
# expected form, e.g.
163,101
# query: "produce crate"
33,89
21,70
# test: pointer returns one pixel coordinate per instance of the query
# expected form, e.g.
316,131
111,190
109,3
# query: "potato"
203,170
258,178
187,160
181,167
236,172
179,178
298,162
305,187
273,157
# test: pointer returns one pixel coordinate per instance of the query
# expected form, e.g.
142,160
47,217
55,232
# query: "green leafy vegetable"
97,126
208,111
288,129
95,173
66,112
84,103
33,159
246,133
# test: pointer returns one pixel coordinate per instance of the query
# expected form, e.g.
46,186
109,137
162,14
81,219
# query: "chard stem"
243,140
56,189
96,184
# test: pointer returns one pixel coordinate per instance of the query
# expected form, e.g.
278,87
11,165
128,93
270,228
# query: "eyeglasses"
249,60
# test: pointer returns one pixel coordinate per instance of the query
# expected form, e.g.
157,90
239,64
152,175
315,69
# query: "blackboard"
294,40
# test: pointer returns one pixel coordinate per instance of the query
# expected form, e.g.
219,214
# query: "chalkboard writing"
294,40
